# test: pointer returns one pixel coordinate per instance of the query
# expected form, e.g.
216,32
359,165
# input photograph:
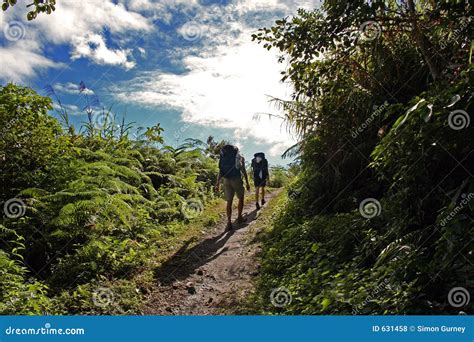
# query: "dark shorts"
259,181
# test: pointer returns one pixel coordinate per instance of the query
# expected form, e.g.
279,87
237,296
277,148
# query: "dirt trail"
214,276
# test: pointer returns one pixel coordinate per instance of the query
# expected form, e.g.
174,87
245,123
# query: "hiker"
231,168
260,175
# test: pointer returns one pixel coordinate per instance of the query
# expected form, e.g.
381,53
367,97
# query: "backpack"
260,169
230,162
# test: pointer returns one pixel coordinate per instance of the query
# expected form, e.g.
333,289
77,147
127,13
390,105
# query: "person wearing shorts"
233,186
231,169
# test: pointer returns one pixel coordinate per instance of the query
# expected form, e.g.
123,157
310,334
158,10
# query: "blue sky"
189,65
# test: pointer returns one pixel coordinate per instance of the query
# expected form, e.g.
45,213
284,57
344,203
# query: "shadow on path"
186,261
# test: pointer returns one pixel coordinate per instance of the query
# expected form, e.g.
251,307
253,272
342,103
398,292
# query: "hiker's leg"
229,196
257,192
263,192
240,207
240,192
229,211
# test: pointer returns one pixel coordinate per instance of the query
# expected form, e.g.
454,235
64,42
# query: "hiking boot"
257,205
263,202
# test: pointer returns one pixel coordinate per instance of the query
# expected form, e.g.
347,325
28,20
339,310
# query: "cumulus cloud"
22,61
79,24
93,46
74,19
225,89
82,24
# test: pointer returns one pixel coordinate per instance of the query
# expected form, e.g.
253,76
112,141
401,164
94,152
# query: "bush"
279,177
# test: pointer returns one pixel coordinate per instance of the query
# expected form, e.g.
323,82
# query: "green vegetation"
379,220
88,211
279,177
376,216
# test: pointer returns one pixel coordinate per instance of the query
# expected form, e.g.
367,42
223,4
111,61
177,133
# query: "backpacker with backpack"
230,162
260,166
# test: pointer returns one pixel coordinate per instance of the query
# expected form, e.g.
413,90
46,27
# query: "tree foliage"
39,6
376,87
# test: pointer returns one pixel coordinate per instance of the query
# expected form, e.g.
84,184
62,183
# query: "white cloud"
253,5
71,88
70,109
223,90
78,23
23,61
82,24
74,19
93,46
